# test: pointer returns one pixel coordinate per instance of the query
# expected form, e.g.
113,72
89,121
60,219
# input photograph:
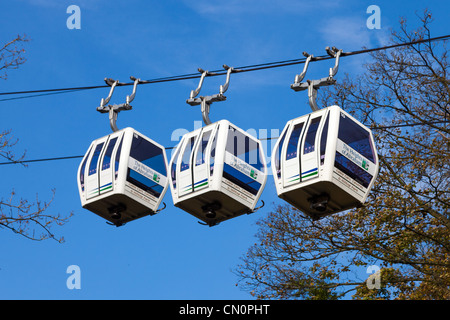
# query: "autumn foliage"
404,227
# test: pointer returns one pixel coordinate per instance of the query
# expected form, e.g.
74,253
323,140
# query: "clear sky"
169,255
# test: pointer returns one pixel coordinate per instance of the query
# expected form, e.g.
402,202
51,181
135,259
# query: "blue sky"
169,255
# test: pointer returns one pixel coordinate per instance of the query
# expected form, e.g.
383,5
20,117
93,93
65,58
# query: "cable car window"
187,155
83,166
116,164
144,183
352,170
174,168
253,154
233,142
244,148
213,152
240,179
260,165
94,160
278,155
356,137
149,154
202,148
311,135
152,156
323,140
293,141
107,158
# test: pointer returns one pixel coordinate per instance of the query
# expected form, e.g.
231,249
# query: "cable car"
217,172
123,176
324,162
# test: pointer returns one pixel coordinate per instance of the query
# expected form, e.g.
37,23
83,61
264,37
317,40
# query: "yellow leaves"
404,222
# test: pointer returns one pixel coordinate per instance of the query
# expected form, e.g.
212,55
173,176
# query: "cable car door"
309,155
184,176
92,179
82,171
201,163
106,170
291,161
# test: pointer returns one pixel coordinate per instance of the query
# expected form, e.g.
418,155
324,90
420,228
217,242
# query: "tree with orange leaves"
404,227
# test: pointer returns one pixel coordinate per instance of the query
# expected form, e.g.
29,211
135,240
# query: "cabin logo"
365,165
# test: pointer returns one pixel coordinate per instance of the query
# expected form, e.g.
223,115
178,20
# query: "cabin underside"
320,199
213,207
118,209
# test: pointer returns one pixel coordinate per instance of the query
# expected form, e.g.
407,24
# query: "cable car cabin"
217,172
324,162
123,176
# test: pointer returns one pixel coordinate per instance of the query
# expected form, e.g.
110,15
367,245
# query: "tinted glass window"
311,136
83,166
152,156
356,137
149,154
248,150
187,154
235,142
323,140
94,160
107,158
255,155
292,146
244,148
116,162
213,153
173,170
202,148
240,179
278,155
144,183
352,170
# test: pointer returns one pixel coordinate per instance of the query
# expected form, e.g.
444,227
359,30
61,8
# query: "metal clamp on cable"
334,52
313,85
206,101
113,110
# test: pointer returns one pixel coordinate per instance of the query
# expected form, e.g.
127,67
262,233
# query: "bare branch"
12,55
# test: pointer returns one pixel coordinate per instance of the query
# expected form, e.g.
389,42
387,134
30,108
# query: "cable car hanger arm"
299,77
206,101
336,53
313,85
204,73
113,110
104,102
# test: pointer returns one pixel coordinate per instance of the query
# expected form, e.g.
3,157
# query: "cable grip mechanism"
206,101
113,110
313,85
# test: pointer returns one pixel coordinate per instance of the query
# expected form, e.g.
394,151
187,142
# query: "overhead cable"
248,68
271,138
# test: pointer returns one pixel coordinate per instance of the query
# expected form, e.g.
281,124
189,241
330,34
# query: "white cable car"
123,176
324,162
217,172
